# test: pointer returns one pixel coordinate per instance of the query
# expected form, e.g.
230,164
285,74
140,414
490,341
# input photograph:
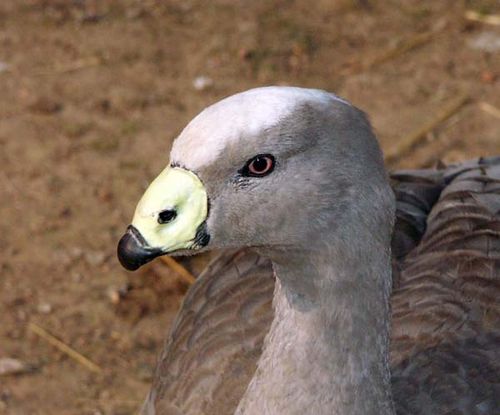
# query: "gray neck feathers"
327,349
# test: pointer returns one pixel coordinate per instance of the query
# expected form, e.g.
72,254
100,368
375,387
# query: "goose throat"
327,349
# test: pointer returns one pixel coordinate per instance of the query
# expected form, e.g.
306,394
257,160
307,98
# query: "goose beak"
134,251
170,217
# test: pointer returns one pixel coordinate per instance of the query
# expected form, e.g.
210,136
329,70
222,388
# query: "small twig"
179,269
492,19
400,49
391,53
111,401
72,353
71,67
401,147
490,109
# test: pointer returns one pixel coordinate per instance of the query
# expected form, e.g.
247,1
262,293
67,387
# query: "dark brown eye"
259,166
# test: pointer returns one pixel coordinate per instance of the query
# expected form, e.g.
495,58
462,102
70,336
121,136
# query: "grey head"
275,168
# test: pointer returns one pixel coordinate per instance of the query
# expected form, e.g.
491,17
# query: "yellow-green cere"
174,188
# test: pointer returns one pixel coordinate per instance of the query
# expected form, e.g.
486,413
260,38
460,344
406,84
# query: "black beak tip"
126,253
133,251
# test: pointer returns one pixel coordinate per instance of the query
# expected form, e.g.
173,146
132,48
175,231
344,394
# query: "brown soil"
92,93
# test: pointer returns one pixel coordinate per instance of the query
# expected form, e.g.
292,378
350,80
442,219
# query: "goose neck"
327,349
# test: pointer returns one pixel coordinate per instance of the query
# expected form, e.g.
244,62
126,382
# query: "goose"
308,310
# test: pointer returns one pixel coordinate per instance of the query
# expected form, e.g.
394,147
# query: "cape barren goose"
297,176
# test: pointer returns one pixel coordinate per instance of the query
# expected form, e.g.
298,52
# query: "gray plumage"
324,218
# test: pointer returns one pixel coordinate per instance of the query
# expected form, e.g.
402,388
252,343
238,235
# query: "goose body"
227,344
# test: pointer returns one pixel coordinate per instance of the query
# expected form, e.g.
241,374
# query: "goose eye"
259,166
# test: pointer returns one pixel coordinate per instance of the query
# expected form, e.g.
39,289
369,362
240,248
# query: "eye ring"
258,166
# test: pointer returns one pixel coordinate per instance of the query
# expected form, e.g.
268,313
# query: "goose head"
273,168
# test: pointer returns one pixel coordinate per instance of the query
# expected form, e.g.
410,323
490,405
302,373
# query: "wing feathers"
446,313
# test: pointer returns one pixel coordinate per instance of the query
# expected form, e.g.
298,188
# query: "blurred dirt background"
92,94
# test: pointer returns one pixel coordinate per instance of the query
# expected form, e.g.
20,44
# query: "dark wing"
216,341
446,311
416,192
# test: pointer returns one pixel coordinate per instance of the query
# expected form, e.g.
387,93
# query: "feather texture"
446,314
216,340
445,353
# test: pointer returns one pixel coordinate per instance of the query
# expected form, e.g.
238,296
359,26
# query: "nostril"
167,215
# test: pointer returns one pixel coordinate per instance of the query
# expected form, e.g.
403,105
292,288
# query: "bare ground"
91,95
